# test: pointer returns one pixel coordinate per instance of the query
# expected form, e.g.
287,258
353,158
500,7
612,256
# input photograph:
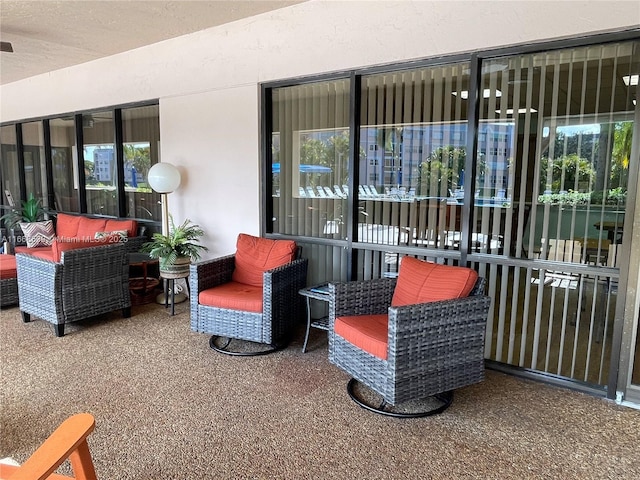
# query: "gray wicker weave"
8,292
86,282
134,244
432,347
282,306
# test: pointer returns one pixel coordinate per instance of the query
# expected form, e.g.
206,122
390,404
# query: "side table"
316,292
143,288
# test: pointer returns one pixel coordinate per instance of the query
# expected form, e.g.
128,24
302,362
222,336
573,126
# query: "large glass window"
309,170
552,187
141,145
34,161
310,151
412,157
64,164
100,167
9,168
546,187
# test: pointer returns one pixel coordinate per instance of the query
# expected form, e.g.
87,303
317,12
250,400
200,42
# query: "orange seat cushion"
60,245
367,332
234,296
256,255
34,250
67,225
423,282
8,267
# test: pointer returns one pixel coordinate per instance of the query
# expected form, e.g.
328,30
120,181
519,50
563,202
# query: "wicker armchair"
431,348
279,306
85,282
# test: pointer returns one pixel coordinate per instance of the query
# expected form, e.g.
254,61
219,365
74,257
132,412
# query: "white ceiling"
47,35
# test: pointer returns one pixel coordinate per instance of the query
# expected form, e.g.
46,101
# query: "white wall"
212,138
207,82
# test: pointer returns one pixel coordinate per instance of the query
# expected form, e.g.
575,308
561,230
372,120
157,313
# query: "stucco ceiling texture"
47,35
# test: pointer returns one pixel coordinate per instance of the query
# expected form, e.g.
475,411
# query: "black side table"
316,292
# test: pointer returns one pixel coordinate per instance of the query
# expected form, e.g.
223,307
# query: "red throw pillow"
423,282
256,255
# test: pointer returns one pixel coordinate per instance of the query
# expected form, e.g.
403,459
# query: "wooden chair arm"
69,440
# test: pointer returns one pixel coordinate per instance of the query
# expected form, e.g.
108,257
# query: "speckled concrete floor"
167,407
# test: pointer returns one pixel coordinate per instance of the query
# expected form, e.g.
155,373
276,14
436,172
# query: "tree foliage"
560,174
441,171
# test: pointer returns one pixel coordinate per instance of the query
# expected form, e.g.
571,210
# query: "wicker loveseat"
74,283
77,228
409,338
250,296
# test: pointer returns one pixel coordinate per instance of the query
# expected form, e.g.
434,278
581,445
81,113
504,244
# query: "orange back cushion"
67,225
131,226
423,282
256,255
87,227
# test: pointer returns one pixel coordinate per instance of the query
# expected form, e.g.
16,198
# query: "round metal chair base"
432,405
251,350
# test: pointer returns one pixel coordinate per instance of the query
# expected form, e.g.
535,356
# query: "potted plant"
176,250
31,211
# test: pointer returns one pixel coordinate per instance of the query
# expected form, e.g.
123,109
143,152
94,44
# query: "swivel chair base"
442,401
221,346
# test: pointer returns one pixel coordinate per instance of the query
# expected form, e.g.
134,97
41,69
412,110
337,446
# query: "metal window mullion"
82,183
266,142
119,147
48,162
355,98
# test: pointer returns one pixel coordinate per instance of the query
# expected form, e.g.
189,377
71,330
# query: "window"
9,167
90,173
553,132
64,164
310,159
141,144
34,161
100,167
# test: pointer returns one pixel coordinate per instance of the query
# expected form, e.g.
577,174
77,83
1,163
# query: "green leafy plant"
31,211
180,242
